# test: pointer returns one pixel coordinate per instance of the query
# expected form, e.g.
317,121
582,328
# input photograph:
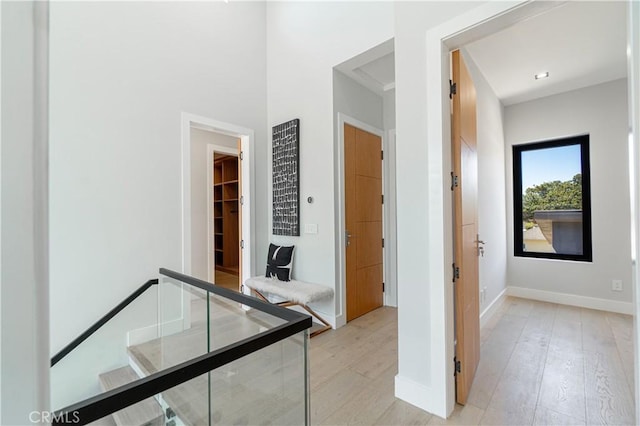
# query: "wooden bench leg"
286,303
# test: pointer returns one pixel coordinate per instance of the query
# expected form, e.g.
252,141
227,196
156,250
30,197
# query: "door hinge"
453,89
242,200
383,243
241,244
456,366
382,198
382,155
383,287
456,272
454,181
241,156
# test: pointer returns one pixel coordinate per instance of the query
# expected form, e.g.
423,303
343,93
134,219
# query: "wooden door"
363,217
465,195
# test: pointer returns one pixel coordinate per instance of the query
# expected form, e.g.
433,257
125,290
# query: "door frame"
486,19
341,274
247,139
211,241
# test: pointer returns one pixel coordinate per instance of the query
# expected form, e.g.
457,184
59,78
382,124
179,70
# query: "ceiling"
374,69
580,44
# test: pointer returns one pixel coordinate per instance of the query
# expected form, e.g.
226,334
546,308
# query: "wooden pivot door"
465,195
363,219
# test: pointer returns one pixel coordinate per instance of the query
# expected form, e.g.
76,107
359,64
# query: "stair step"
146,412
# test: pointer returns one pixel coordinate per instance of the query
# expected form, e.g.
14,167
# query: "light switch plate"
616,285
311,228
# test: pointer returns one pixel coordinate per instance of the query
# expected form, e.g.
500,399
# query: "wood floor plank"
514,398
377,361
336,392
596,331
508,415
622,329
368,405
569,313
462,415
493,360
403,413
540,319
562,389
508,329
546,417
608,398
520,307
567,334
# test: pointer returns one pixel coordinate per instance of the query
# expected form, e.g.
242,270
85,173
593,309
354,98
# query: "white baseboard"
492,308
572,300
338,321
417,394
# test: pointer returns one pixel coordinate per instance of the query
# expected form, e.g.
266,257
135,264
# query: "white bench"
294,293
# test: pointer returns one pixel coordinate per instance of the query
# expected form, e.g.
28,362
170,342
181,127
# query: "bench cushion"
294,291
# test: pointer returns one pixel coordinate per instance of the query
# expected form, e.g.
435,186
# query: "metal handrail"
102,321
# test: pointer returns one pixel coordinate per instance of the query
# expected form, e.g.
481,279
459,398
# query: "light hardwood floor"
226,280
541,364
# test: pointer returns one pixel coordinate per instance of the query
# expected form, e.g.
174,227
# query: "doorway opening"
364,101
225,216
456,33
216,201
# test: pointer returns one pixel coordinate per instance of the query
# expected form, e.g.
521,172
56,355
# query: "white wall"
24,337
600,111
199,213
305,40
75,377
634,119
492,220
356,101
121,74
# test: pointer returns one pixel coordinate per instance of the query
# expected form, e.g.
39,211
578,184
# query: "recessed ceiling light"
542,75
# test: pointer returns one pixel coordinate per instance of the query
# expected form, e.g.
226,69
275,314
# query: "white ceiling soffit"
374,69
579,43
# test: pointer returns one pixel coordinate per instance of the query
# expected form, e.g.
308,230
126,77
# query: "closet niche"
226,213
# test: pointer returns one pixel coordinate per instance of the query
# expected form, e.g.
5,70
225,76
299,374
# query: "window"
552,200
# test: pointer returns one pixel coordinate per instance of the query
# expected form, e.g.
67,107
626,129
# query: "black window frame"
587,247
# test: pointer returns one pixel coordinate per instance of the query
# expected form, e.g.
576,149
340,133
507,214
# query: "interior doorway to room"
364,99
225,251
363,220
460,35
217,217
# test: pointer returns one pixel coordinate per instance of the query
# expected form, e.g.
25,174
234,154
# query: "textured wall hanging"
286,178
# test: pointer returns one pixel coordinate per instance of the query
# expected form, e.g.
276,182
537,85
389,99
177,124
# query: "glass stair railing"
185,352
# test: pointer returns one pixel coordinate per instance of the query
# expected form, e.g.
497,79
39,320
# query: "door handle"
347,237
480,245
